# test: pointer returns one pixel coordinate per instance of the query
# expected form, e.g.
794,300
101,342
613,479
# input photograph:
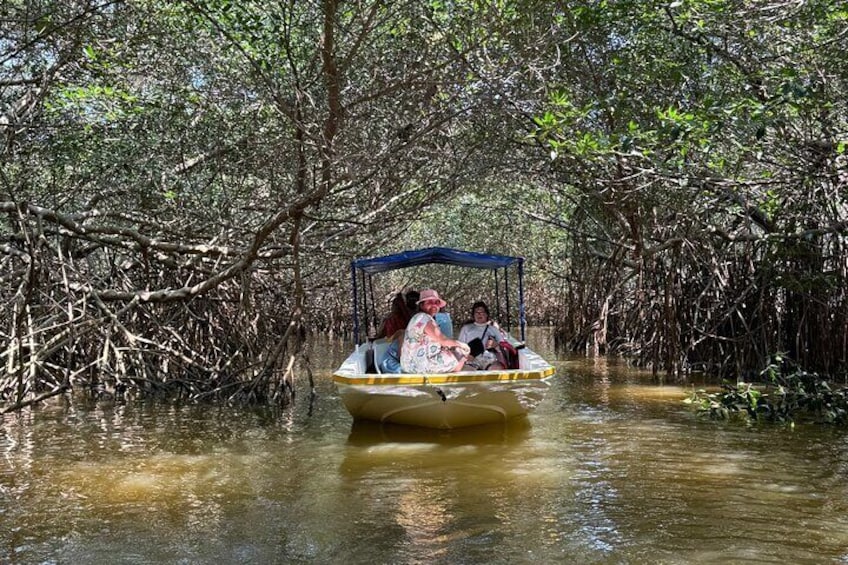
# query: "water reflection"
610,468
446,496
364,432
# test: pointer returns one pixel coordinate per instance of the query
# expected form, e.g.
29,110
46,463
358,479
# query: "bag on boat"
507,354
504,353
476,346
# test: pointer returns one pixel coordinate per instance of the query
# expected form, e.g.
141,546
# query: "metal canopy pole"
364,304
506,297
355,304
373,306
522,320
498,296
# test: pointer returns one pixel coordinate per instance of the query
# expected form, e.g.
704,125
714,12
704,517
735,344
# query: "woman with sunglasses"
483,329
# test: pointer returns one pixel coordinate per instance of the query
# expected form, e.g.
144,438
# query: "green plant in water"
741,398
786,394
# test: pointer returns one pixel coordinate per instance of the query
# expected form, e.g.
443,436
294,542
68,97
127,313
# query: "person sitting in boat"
412,297
397,319
483,337
425,348
443,318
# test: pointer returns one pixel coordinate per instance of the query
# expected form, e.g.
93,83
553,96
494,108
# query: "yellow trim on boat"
444,378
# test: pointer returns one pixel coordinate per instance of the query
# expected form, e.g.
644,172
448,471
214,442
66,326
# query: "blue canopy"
443,255
430,255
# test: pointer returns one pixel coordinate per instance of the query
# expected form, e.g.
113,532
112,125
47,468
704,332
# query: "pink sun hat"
430,294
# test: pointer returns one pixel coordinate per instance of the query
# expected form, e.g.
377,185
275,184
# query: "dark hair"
399,306
412,297
480,304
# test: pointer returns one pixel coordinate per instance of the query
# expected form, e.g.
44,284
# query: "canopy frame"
427,256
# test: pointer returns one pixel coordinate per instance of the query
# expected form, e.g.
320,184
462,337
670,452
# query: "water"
611,468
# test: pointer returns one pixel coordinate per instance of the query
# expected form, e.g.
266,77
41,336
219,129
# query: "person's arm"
492,335
434,333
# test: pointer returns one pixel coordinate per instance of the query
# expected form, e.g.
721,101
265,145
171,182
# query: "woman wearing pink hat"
426,349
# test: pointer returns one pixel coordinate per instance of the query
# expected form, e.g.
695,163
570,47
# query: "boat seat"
380,346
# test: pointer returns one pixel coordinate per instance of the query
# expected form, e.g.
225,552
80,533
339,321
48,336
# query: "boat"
440,400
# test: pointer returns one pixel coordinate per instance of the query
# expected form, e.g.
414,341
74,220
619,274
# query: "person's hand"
466,350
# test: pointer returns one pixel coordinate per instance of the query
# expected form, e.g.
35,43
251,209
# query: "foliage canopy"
185,182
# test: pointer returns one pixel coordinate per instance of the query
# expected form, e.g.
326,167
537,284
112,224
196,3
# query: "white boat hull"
445,400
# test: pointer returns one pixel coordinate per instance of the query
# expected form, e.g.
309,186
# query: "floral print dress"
420,354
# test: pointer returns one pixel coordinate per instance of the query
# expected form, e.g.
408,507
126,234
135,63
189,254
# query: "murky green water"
610,469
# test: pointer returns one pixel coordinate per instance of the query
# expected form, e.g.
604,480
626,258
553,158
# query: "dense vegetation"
185,182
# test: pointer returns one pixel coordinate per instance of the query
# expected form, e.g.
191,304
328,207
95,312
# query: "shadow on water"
364,433
374,449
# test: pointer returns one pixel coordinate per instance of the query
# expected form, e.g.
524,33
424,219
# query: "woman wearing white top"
481,327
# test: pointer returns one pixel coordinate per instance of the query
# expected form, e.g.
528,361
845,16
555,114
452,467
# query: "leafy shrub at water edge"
786,394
